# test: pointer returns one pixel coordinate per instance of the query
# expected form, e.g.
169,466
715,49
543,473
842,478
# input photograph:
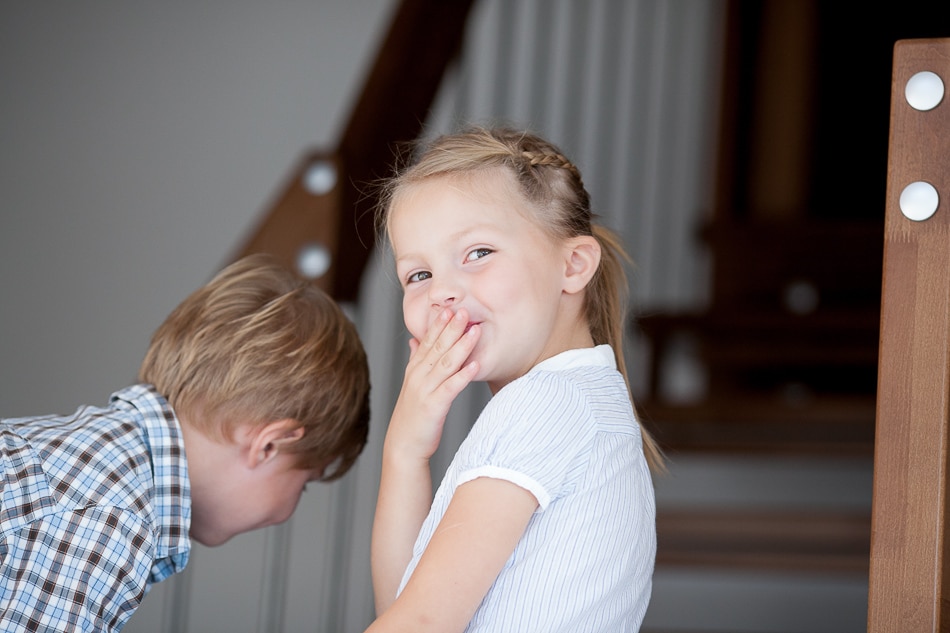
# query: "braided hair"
553,187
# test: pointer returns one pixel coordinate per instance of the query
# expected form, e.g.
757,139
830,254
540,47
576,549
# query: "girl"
545,519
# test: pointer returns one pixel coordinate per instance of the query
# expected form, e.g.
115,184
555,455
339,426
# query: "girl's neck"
578,337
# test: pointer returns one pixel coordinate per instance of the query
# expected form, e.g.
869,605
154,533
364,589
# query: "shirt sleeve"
534,433
85,570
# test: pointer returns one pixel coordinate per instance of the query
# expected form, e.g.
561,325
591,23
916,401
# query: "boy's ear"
582,258
267,441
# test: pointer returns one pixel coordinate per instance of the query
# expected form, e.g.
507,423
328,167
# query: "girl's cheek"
417,324
408,315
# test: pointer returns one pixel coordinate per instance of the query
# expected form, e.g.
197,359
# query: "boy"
253,386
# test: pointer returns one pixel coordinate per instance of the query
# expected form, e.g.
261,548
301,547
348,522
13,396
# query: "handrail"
327,203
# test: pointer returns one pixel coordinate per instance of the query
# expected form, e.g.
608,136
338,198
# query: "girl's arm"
405,494
435,375
480,529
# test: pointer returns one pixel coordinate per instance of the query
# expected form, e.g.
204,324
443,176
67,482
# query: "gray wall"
138,144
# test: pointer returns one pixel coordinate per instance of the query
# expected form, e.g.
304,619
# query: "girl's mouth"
469,326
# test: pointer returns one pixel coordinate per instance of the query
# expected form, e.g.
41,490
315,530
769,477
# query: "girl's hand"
435,374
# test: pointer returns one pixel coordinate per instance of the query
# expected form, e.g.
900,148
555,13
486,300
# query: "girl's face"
469,244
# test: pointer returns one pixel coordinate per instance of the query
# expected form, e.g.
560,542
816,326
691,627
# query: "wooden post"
908,589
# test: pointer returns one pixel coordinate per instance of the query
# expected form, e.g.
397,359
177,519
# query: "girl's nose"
444,293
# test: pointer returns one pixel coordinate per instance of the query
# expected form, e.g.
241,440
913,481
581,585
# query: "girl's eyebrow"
458,236
464,233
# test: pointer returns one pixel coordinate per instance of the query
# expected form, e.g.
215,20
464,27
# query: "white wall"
139,143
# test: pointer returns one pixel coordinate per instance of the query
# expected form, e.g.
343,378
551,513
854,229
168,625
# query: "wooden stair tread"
762,318
840,425
812,540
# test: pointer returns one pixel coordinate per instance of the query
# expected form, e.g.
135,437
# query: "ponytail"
605,305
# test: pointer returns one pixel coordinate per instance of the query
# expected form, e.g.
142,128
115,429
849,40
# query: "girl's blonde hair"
257,344
552,185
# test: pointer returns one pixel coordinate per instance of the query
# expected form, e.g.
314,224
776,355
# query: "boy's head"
257,345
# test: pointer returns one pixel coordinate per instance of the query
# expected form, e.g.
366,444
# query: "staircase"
788,347
787,351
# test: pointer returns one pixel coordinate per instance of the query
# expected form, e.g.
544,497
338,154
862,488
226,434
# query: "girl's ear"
271,438
581,259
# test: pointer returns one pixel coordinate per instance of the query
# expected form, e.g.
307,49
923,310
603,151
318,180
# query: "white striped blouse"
566,432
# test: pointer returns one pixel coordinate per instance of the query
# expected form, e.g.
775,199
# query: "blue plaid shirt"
94,508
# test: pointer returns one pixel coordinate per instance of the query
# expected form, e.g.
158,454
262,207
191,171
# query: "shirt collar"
171,491
599,356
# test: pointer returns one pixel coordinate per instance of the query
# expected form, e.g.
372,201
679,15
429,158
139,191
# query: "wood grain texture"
907,590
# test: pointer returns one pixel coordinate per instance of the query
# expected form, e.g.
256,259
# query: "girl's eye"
478,253
422,275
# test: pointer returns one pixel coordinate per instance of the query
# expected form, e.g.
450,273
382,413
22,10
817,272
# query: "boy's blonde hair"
553,187
257,344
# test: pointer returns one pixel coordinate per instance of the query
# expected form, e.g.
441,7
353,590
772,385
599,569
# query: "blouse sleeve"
536,433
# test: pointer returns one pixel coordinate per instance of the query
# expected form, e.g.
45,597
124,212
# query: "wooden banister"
327,200
909,589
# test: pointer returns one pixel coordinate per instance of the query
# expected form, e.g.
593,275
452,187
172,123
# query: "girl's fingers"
457,375
429,389
431,338
449,332
442,339
455,383
439,357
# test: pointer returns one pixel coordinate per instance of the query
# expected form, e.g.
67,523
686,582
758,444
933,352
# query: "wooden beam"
302,215
908,589
337,214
